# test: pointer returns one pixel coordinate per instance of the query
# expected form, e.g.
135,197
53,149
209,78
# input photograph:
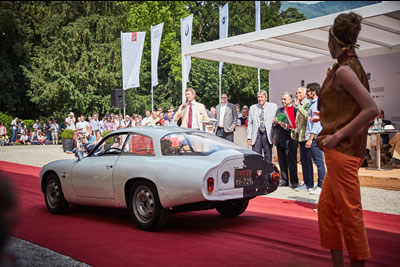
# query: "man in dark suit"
284,123
227,118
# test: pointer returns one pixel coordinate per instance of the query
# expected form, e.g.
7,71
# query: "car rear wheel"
232,208
54,196
145,207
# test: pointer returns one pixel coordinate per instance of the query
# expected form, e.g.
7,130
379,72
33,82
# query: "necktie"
262,123
190,116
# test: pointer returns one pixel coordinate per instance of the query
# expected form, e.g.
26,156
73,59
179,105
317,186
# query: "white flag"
132,48
186,39
223,21
156,33
223,28
258,27
258,17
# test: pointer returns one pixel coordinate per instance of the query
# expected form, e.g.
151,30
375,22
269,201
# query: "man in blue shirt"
312,131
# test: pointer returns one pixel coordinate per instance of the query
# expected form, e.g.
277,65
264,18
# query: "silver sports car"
157,171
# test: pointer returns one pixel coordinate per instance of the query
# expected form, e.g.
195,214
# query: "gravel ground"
31,254
373,199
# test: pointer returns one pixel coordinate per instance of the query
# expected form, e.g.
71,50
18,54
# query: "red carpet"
272,232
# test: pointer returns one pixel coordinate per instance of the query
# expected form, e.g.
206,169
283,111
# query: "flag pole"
219,78
151,76
152,99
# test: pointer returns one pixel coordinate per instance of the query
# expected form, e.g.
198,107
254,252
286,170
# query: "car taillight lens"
275,177
210,184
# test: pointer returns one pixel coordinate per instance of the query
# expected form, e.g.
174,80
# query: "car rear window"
193,143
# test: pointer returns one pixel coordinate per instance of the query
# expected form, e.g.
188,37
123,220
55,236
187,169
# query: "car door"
136,160
93,175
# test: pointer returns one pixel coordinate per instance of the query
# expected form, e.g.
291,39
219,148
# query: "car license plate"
243,177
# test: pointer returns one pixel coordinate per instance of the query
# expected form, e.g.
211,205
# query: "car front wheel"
232,208
145,207
54,196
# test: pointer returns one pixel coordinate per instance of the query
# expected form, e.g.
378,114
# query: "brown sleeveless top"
338,107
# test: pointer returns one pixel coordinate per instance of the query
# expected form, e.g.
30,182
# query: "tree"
141,16
14,52
61,56
77,60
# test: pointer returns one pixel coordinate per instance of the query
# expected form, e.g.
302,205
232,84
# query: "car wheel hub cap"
53,194
144,203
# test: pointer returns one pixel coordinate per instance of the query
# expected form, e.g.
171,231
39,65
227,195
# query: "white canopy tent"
301,43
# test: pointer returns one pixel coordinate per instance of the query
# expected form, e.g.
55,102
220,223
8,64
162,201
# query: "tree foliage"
61,56
77,60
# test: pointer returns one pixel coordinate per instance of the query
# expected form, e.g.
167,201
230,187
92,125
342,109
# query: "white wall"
384,82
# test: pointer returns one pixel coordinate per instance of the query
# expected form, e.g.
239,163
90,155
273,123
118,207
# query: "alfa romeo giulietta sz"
158,171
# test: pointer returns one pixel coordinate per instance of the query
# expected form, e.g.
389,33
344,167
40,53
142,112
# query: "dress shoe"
316,191
283,183
295,185
301,187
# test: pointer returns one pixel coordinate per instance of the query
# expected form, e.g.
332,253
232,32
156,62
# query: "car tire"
54,196
145,207
232,208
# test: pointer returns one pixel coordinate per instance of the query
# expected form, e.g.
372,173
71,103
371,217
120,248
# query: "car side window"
137,144
111,146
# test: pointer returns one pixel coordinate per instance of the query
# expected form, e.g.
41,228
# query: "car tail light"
275,177
210,184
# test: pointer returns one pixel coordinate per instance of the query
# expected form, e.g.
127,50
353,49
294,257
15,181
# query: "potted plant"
68,140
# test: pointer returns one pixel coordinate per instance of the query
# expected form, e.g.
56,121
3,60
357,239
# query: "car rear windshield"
194,143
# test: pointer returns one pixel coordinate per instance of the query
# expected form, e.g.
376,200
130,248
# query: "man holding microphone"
191,112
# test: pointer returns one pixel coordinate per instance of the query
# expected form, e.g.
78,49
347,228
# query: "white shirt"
70,123
3,130
37,125
14,124
24,137
83,125
194,115
170,123
101,126
146,120
222,110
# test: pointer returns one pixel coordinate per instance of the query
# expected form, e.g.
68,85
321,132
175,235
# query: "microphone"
185,104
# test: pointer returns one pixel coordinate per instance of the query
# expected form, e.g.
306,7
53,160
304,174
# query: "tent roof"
304,42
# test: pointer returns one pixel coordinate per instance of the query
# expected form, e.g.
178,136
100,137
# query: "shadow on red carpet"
272,232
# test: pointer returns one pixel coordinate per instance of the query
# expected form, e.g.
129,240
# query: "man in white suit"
192,113
227,118
259,126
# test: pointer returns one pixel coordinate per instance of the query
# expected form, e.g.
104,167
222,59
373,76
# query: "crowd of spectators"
39,134
92,127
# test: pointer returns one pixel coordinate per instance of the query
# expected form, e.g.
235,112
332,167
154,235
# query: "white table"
378,147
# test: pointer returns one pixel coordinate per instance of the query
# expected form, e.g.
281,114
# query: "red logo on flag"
134,36
259,172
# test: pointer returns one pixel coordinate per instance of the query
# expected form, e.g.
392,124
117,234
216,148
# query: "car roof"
155,131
